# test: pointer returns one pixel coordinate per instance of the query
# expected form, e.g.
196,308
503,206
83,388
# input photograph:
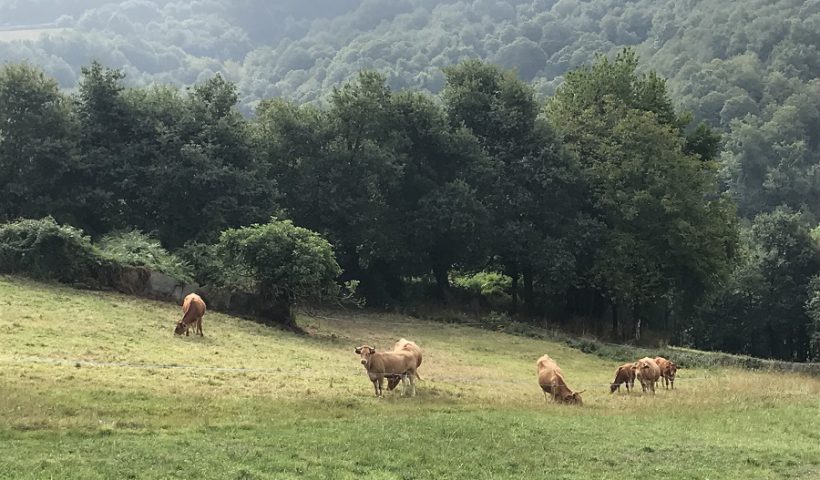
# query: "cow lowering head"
573,398
365,352
180,328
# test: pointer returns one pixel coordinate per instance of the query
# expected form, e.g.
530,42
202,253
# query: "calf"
410,346
193,308
668,371
379,365
648,372
551,380
625,374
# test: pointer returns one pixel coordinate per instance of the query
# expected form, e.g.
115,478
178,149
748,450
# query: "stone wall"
144,283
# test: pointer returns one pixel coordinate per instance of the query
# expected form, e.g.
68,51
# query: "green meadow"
94,385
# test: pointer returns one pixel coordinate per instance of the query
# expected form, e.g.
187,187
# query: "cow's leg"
376,386
412,378
199,326
380,381
404,383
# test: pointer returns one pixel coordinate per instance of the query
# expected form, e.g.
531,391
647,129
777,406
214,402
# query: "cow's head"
179,329
574,398
365,351
640,365
671,370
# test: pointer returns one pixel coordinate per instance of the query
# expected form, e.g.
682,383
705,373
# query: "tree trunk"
615,323
440,272
514,293
529,296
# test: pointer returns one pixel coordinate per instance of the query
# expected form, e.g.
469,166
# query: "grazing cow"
625,374
410,346
648,372
668,371
551,380
193,308
379,365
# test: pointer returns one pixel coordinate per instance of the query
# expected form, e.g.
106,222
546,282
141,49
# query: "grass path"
305,409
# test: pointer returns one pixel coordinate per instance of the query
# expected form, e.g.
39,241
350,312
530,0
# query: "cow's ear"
373,350
358,350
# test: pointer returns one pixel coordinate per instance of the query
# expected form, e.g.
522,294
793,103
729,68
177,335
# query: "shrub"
284,262
491,286
488,284
137,249
44,249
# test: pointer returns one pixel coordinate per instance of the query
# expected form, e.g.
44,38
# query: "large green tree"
36,143
532,192
667,235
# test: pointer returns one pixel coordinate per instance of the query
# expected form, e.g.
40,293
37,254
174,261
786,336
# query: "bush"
492,286
283,261
44,249
136,249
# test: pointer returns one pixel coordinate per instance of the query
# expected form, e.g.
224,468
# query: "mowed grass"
83,395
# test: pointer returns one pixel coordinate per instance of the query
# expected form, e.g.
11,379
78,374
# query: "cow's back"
652,373
410,346
193,306
547,363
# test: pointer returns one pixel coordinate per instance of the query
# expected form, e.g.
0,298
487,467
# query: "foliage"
667,234
284,261
138,249
45,249
761,310
485,283
35,143
813,310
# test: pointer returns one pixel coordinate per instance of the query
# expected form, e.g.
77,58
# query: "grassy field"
82,395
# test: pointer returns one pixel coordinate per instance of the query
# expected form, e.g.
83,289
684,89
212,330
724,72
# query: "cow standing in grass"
626,375
389,364
193,308
647,372
551,380
668,371
410,346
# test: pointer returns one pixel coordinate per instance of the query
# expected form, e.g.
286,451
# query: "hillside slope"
87,392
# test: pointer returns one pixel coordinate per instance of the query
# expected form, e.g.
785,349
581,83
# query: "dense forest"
748,69
673,187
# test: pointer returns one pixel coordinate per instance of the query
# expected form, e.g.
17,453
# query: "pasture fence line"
57,362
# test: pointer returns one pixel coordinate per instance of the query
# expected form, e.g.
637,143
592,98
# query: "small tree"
283,261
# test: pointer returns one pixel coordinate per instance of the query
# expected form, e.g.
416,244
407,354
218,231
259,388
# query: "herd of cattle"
401,364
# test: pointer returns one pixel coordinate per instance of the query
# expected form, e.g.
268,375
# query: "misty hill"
748,68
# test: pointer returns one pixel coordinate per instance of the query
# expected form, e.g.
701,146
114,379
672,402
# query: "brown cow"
410,346
379,365
193,308
551,380
625,374
648,372
668,371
